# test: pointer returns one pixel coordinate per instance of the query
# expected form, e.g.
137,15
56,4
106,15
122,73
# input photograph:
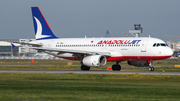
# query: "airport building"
6,48
26,51
174,46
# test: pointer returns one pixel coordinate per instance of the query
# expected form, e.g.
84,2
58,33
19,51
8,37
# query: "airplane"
95,52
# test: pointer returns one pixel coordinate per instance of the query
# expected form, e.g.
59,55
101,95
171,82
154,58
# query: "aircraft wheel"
151,68
113,67
116,67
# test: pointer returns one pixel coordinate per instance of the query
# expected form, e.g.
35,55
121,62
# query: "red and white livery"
94,52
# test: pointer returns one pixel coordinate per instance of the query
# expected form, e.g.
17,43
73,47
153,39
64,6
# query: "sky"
77,18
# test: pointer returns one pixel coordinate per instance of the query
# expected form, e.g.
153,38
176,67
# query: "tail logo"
39,30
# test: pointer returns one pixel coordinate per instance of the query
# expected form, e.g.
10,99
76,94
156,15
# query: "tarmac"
88,72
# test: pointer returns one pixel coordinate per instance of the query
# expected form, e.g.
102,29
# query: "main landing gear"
83,67
116,67
151,68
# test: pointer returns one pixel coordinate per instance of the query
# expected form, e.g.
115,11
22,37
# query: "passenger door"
143,46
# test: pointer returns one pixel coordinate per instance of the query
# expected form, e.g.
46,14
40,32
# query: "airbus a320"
95,52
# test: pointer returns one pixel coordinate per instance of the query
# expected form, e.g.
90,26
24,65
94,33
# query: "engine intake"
94,60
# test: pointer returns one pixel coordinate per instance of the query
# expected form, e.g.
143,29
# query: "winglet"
41,27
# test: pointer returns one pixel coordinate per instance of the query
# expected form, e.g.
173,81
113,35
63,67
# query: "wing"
76,52
32,44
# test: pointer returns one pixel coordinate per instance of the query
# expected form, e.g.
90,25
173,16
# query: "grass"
88,87
167,65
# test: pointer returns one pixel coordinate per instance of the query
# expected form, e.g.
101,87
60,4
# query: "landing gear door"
143,46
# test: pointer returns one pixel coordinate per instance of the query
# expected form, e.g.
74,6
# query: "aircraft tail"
41,27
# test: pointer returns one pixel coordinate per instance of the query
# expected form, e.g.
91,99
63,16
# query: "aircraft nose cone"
169,52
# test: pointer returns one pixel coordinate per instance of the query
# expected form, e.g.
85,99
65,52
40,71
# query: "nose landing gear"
151,68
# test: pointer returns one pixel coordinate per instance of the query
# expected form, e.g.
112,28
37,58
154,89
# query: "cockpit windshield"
159,44
162,44
154,45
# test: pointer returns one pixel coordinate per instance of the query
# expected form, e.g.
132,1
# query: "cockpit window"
159,44
154,45
162,44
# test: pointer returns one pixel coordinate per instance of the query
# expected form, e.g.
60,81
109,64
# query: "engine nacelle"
94,60
139,63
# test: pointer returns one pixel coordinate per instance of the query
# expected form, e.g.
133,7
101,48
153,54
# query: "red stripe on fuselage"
144,58
126,58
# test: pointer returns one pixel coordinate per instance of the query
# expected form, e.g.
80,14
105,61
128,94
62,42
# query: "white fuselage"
120,48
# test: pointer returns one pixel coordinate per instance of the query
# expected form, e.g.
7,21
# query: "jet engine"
94,60
139,63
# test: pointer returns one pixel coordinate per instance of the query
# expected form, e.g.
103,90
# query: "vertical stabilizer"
41,27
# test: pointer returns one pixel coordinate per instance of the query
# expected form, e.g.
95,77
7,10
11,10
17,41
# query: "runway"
87,72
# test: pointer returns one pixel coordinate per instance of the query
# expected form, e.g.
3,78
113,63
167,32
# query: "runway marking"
88,72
